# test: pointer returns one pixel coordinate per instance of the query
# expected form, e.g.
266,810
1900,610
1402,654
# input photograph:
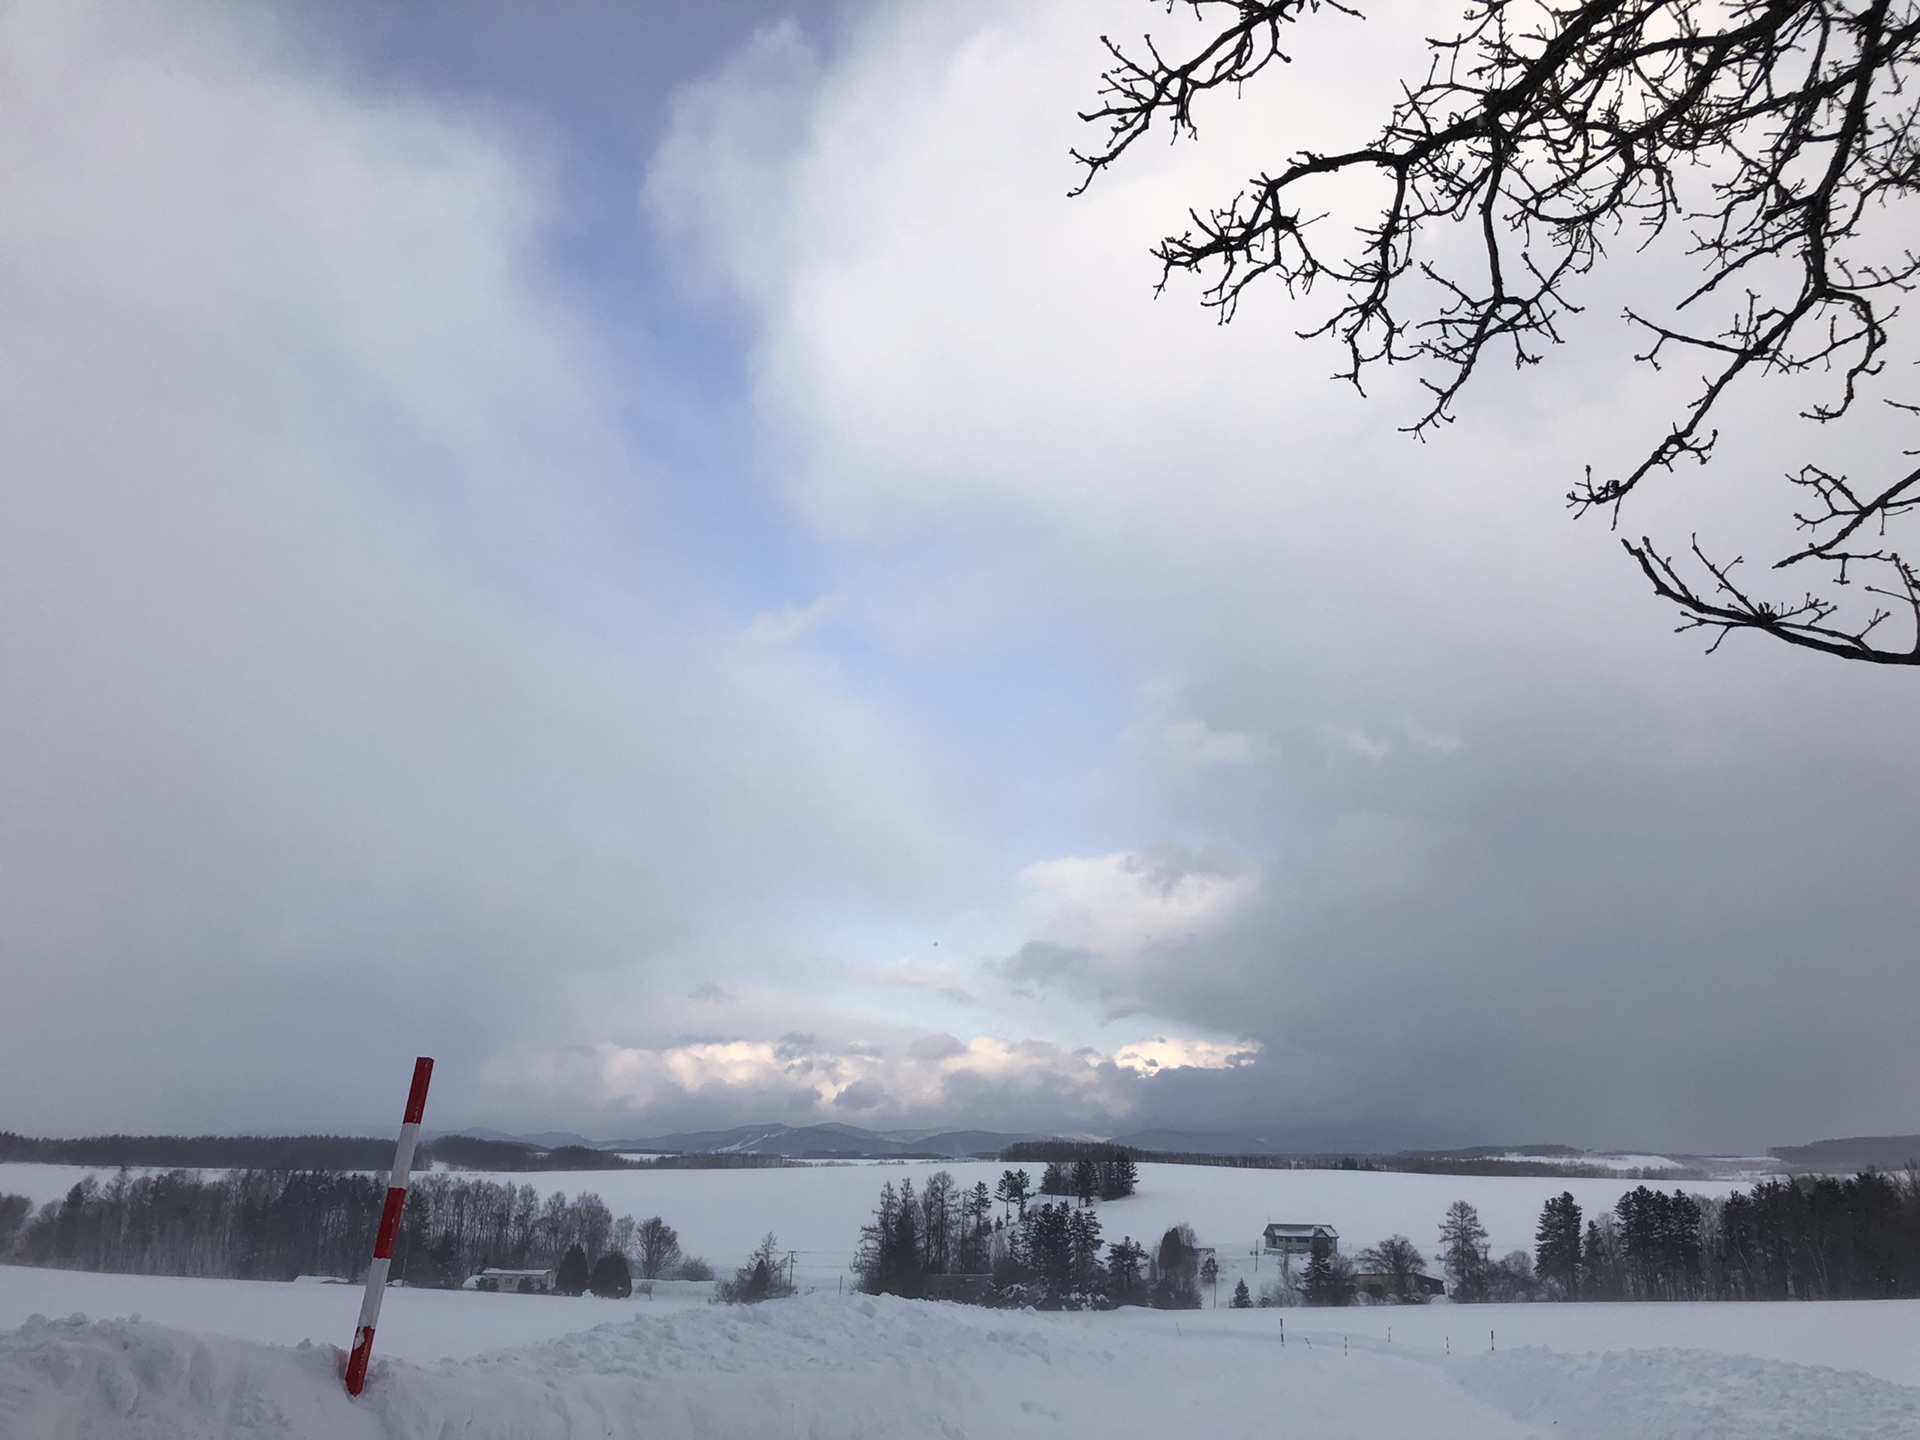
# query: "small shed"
513,1282
1287,1241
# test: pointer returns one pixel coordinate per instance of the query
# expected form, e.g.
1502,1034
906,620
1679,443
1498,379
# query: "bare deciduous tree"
659,1247
1779,136
1397,1261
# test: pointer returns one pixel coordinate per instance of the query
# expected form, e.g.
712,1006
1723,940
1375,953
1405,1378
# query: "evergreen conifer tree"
1126,1265
1086,1179
1241,1299
1177,1270
612,1278
1014,1188
1556,1250
1325,1280
573,1276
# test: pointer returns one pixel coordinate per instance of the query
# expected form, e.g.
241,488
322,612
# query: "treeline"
1404,1164
275,1225
464,1152
210,1152
1408,1163
345,1152
1811,1238
946,1243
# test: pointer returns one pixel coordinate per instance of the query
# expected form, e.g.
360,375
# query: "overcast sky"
651,553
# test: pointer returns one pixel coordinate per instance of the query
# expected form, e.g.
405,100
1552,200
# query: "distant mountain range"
791,1141
802,1141
830,1140
1885,1152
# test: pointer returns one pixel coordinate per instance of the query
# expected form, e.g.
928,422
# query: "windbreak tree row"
1811,1238
274,1225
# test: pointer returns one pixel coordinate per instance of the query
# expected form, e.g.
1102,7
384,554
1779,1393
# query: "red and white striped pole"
389,1227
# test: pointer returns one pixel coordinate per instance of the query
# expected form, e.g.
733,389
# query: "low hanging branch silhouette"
1781,136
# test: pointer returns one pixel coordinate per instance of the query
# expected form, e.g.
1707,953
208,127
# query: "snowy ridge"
826,1366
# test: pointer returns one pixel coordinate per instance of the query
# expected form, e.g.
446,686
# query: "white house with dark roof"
1287,1241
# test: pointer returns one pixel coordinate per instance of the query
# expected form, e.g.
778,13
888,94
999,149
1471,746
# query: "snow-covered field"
225,1358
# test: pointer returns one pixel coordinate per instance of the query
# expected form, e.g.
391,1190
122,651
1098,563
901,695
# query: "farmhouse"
513,1282
1287,1241
1377,1286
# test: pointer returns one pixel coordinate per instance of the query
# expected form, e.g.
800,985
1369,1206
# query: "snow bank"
419,1325
826,1366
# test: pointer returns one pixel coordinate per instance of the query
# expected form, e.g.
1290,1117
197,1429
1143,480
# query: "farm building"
1287,1241
513,1282
1376,1286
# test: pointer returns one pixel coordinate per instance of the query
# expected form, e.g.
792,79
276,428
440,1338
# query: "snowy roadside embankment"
825,1366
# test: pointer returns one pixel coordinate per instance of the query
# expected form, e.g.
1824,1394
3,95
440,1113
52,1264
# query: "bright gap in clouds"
1152,736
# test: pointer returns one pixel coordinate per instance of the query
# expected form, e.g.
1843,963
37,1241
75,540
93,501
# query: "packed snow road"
826,1366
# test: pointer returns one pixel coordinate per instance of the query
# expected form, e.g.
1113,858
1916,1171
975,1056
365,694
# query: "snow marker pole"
389,1227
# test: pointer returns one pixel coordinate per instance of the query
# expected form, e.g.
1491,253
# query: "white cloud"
1121,904
1164,1052
781,627
801,1078
1195,745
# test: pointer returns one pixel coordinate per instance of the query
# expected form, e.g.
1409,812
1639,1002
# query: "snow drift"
827,1366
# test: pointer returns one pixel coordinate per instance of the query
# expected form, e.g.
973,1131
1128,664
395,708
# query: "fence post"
389,1226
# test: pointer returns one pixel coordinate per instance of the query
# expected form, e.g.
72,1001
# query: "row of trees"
1809,1238
274,1225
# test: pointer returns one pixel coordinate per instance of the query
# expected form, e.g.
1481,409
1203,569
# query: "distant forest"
343,1152
1407,1163
1803,1239
275,1225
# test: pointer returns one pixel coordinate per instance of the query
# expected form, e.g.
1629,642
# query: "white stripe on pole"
362,1350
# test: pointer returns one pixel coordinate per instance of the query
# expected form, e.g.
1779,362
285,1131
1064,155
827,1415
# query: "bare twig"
1550,128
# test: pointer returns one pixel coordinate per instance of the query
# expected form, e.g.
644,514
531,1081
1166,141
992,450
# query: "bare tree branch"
1780,136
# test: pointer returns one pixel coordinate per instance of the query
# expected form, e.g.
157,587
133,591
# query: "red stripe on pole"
417,1096
357,1361
389,1223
